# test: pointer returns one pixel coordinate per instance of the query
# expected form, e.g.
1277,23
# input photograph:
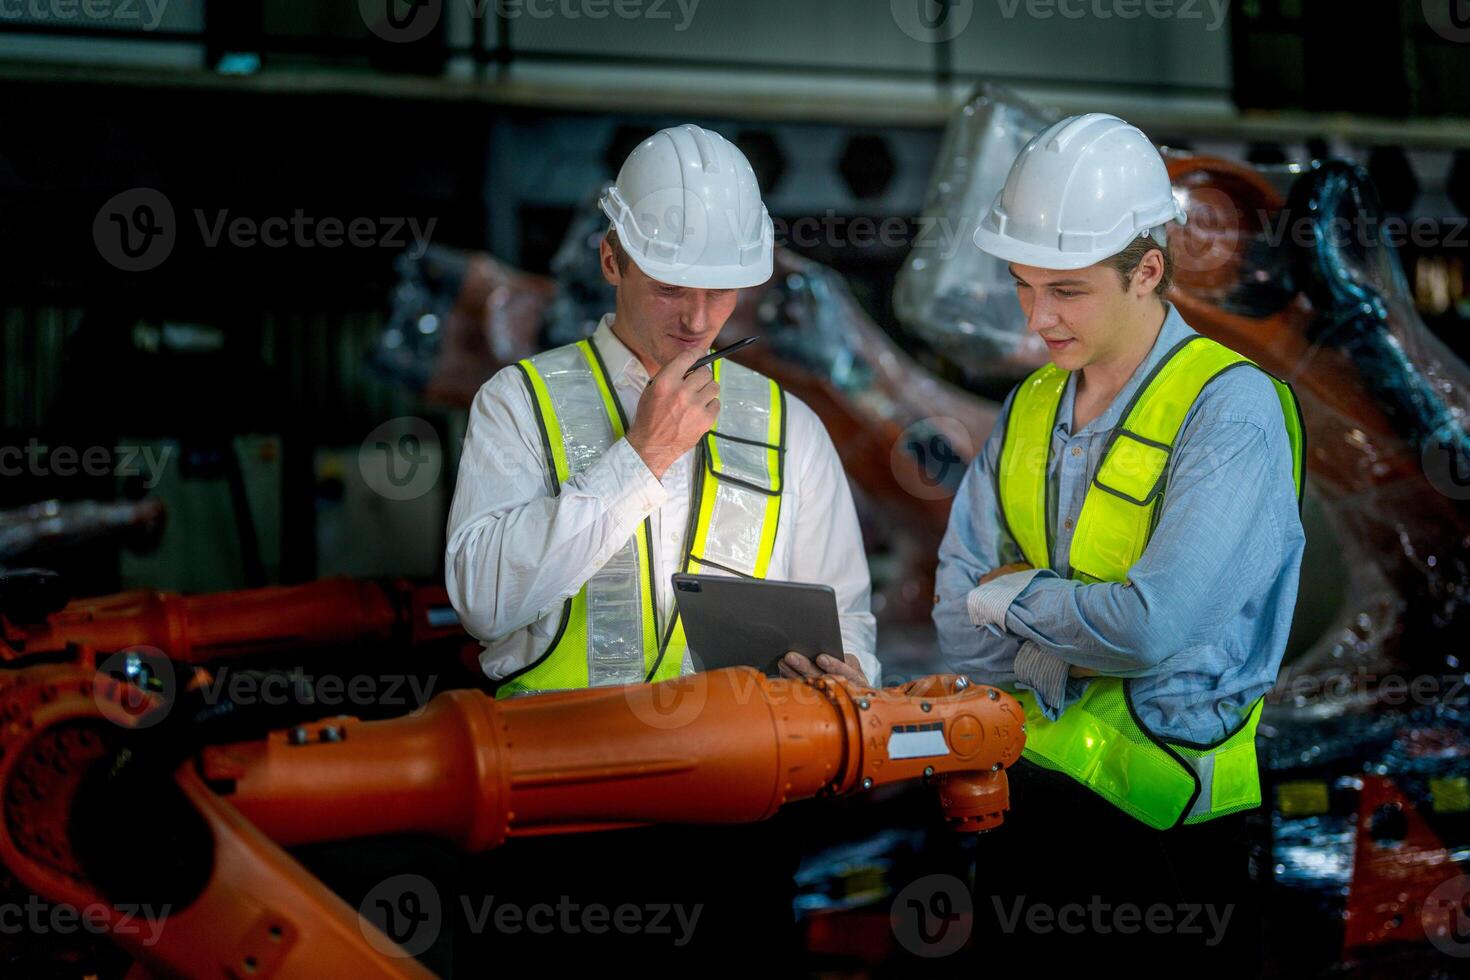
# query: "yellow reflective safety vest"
1099,740
609,630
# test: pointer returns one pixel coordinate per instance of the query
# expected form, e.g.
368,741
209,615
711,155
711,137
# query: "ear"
609,263
1150,270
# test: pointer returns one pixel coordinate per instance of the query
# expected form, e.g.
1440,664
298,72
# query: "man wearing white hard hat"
594,471
584,467
1124,554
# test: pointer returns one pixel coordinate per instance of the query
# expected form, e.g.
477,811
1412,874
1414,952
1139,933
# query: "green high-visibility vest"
1098,741
609,632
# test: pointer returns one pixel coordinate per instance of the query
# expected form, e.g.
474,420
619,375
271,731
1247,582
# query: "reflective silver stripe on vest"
615,597
1204,768
614,594
738,515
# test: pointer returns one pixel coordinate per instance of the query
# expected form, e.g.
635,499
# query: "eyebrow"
1053,282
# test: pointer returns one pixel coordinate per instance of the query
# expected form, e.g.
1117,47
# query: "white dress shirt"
516,553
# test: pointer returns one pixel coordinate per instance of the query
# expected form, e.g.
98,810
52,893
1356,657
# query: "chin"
670,352
1067,360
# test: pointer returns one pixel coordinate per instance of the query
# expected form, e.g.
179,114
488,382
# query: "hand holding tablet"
795,666
756,623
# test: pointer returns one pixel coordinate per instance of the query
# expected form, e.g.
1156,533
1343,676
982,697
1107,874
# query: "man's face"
658,320
1082,314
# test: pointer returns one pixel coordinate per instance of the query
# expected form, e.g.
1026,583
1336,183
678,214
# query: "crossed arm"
1210,553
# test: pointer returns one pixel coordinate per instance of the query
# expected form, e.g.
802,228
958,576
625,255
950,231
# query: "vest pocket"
1132,467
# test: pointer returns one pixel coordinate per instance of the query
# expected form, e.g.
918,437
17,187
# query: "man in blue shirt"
1198,626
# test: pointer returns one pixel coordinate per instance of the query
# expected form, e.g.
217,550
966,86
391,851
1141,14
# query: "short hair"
619,256
1126,262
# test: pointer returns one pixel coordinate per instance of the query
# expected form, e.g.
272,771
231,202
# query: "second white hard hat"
1079,192
687,209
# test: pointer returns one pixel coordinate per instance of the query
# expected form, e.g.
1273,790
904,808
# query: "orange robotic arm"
279,620
723,747
729,746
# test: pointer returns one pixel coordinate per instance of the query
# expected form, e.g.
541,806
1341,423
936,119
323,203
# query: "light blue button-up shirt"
1202,623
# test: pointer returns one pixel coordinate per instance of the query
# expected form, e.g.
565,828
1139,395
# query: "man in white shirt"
518,551
590,474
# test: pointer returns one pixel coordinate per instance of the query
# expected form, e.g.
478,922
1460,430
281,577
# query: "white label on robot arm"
916,741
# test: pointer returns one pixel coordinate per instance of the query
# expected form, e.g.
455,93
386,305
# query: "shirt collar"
1173,331
622,363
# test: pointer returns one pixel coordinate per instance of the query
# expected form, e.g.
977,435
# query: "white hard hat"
1078,193
688,211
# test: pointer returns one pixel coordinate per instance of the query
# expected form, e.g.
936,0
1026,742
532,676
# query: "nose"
1042,313
694,317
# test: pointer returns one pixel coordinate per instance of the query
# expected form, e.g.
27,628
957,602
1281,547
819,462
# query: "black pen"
716,355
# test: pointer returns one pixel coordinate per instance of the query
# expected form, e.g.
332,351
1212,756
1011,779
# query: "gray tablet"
754,622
